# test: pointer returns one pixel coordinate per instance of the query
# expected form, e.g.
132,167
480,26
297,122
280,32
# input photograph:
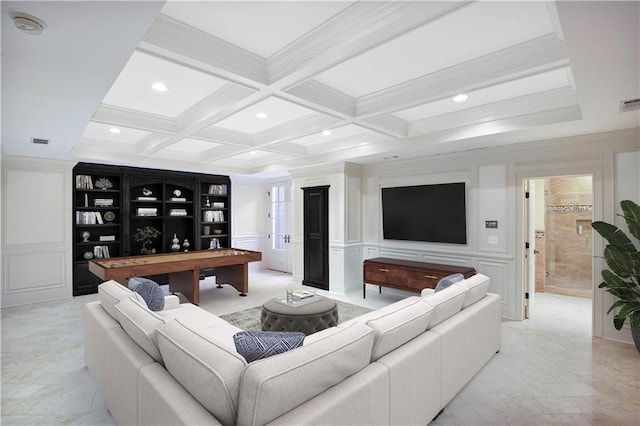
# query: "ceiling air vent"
40,141
630,105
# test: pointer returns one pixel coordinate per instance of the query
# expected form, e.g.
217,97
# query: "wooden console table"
406,274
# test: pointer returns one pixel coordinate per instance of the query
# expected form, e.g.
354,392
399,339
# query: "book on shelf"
213,216
88,218
103,202
178,199
177,212
107,238
84,182
100,252
217,189
218,205
147,211
147,198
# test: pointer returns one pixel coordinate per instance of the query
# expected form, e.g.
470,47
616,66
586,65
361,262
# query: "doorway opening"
559,219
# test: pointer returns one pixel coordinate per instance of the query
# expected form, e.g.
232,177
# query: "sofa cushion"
254,345
140,324
111,293
150,292
396,327
476,286
208,369
334,354
446,303
448,280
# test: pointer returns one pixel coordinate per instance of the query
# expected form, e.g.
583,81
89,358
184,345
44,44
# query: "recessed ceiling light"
326,132
114,130
262,115
159,86
460,98
252,152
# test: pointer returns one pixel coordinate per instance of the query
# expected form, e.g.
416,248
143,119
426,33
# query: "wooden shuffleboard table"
231,267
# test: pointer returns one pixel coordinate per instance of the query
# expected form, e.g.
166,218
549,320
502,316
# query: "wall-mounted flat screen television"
431,213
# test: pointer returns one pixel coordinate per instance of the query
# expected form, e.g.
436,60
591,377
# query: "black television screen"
432,213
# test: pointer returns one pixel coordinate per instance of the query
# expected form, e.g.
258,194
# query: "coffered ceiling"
263,87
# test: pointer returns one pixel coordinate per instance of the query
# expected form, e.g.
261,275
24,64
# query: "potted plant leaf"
145,236
622,279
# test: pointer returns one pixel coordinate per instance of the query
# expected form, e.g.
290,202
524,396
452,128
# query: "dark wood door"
316,237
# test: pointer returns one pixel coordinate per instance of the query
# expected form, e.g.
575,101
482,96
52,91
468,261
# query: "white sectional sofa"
399,365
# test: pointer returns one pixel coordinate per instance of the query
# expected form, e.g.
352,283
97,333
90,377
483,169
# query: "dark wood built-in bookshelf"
111,202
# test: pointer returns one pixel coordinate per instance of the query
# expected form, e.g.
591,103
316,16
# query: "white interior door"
279,237
530,249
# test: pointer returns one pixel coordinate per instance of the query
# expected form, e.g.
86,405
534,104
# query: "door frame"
270,253
560,170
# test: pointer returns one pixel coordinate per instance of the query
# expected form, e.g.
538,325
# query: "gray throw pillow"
254,345
448,280
150,292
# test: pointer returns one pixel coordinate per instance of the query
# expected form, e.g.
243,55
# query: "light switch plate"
493,239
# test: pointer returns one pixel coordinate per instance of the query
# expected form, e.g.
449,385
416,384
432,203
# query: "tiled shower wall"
568,235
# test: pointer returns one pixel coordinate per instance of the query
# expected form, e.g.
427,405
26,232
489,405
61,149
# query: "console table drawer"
423,279
377,274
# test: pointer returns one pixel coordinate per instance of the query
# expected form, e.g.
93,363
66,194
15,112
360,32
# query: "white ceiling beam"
317,93
542,54
123,117
359,28
520,106
171,35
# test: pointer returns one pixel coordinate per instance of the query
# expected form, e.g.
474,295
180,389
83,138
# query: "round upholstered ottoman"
307,315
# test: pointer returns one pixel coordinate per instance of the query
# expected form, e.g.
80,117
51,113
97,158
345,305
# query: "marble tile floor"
549,371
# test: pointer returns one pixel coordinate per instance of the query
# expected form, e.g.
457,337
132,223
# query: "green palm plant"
622,279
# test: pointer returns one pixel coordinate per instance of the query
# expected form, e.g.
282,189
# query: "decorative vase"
153,250
185,245
85,236
143,250
175,243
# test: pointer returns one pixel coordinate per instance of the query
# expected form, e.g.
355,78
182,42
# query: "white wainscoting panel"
249,241
353,213
336,269
498,272
34,207
31,272
492,205
446,260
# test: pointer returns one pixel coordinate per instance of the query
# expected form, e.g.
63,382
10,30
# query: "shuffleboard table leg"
237,276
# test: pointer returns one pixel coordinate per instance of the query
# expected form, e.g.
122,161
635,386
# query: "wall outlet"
493,239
